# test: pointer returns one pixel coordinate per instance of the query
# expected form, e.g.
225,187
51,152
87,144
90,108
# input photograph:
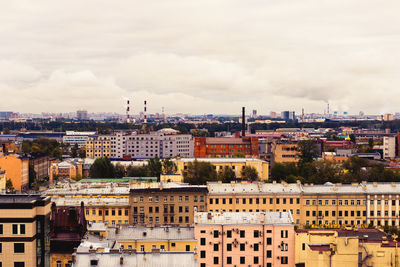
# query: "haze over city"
200,57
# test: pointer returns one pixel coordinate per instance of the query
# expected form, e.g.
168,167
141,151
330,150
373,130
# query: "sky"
200,57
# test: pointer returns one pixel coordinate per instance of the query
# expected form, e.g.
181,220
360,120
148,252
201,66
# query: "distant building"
82,115
70,168
389,147
273,115
24,230
254,114
245,238
5,115
163,144
17,169
225,146
288,115
41,165
77,138
286,152
388,117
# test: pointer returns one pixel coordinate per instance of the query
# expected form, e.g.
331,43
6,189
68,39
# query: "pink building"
244,238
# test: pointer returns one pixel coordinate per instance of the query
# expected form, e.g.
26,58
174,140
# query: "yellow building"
24,224
98,147
3,181
286,152
146,239
236,164
255,197
334,248
17,169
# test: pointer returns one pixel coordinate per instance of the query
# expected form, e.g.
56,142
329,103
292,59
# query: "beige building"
24,228
236,164
98,147
336,248
3,181
286,152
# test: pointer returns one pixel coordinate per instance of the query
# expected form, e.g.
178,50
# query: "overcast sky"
200,56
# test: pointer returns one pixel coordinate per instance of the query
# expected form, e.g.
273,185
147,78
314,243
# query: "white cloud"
200,56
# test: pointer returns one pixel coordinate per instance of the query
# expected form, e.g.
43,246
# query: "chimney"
243,121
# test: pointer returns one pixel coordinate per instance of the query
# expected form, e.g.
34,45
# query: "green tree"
249,173
102,168
226,175
238,155
119,171
9,185
136,171
352,138
308,151
280,171
199,173
355,168
74,151
26,146
82,153
155,167
56,153
169,167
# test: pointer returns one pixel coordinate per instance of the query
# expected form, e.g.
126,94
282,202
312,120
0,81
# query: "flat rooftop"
266,218
10,198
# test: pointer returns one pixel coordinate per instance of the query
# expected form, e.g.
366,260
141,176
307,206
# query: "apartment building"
41,165
77,138
205,147
286,152
159,144
24,227
389,147
168,204
98,147
70,168
17,169
245,238
147,239
236,164
255,197
338,247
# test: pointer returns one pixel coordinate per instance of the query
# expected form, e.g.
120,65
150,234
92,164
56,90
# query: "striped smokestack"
145,111
243,121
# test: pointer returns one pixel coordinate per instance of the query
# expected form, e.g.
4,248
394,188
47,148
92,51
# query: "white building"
389,147
79,138
146,146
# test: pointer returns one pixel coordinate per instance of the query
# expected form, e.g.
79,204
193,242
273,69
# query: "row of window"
16,264
17,229
107,212
242,233
181,219
171,199
255,200
18,248
242,259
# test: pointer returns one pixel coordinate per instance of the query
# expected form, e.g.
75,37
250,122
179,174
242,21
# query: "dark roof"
21,201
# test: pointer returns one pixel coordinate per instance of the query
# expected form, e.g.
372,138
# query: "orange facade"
225,146
17,170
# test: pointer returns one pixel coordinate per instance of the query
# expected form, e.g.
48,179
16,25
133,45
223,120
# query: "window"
269,253
255,246
1,229
229,233
202,254
216,247
1,247
303,246
216,234
242,247
58,263
172,244
15,229
256,233
94,262
255,260
202,241
242,233
242,260
187,247
19,264
284,233
229,247
229,260
216,260
284,260
269,241
19,248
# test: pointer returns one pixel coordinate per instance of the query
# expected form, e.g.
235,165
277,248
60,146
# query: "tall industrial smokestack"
127,111
243,121
145,112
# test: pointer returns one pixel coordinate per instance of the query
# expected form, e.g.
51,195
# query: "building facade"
3,182
98,147
205,147
17,169
24,229
169,204
245,239
77,138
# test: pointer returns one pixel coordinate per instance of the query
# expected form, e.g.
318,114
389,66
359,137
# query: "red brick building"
205,147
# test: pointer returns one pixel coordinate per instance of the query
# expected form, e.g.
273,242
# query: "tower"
127,111
145,112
